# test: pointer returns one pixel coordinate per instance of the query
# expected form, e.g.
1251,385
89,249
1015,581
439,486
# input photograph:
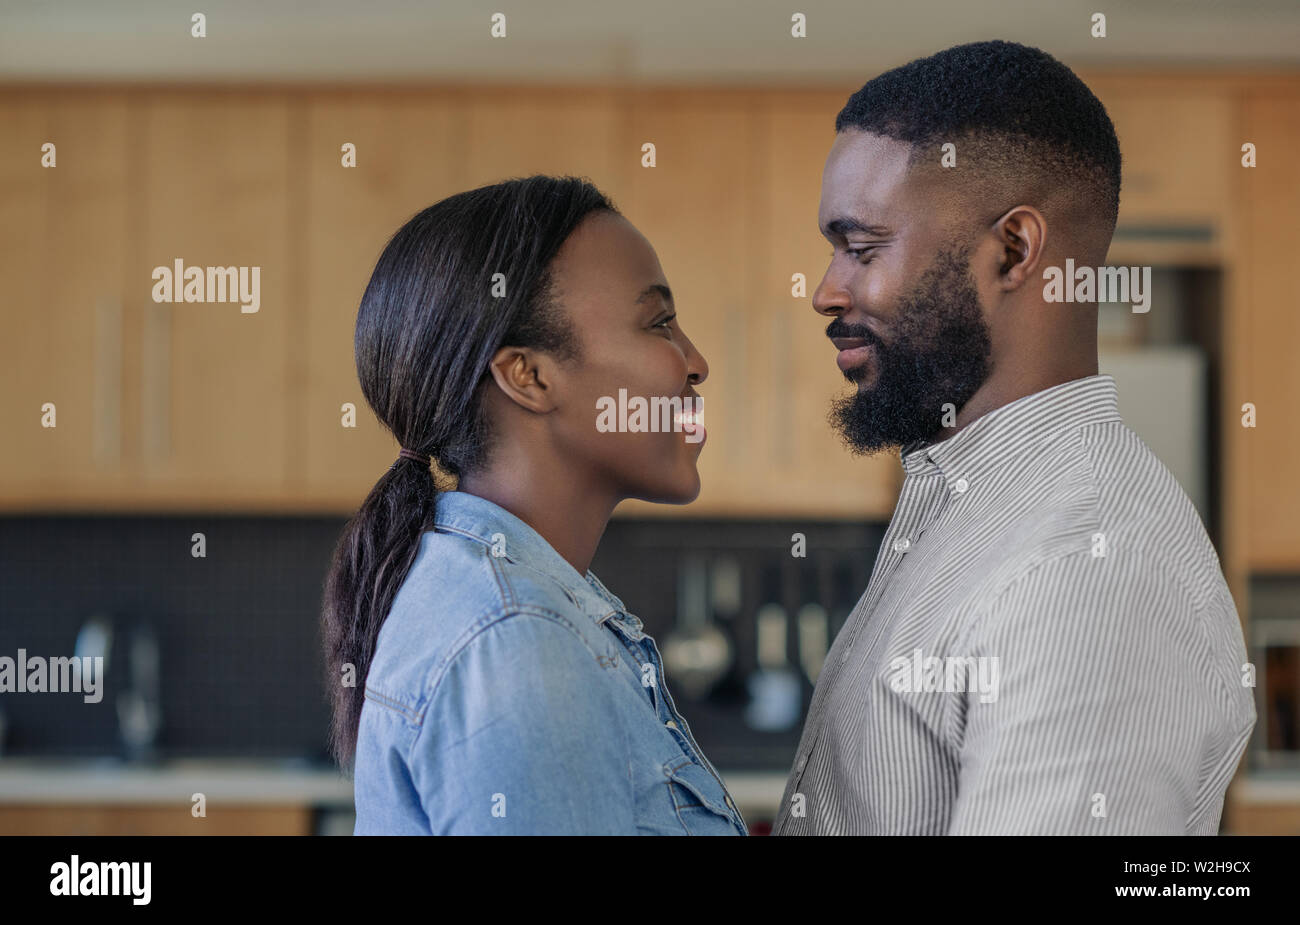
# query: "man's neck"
999,390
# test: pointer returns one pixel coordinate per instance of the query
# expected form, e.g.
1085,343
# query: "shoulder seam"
439,671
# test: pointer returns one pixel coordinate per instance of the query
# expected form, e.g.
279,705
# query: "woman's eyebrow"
654,288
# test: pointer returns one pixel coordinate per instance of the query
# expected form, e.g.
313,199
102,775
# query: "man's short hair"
1020,120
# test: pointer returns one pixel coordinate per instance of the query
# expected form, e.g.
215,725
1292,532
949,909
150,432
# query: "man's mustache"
840,328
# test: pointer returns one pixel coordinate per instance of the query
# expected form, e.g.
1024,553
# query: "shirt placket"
918,507
667,713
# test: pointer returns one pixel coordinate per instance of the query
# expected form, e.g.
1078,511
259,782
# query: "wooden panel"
1262,819
1177,153
214,412
410,154
62,261
1269,326
514,133
154,820
24,384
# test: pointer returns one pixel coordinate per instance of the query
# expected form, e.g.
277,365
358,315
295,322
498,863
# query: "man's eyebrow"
654,288
842,226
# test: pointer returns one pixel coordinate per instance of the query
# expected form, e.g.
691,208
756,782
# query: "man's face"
907,317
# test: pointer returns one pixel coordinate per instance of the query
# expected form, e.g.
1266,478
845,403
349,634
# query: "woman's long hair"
463,278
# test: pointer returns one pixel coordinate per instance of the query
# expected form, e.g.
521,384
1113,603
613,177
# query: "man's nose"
830,298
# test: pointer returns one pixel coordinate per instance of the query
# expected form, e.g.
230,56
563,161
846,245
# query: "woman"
484,680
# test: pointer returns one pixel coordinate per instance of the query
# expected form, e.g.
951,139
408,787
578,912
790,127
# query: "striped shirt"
1046,645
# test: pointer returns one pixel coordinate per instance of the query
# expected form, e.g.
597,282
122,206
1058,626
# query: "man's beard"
939,354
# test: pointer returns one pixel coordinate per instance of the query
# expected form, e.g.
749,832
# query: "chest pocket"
696,799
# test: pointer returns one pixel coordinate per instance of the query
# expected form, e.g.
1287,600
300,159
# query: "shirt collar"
489,523
997,438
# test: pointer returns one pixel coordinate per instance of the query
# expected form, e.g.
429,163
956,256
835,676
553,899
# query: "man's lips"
854,351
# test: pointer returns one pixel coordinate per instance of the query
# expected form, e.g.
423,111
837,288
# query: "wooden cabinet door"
514,133
63,232
410,153
215,177
1266,331
1177,151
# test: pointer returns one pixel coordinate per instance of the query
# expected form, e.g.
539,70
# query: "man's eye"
666,323
867,252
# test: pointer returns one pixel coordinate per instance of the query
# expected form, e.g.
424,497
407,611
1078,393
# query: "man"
1047,644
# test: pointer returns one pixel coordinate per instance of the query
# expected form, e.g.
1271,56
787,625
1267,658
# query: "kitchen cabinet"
63,246
514,133
1265,330
154,820
217,405
1178,152
199,405
159,404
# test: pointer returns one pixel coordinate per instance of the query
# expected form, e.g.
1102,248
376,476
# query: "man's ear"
1022,234
526,377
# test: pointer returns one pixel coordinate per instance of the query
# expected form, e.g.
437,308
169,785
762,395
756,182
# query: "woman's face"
633,354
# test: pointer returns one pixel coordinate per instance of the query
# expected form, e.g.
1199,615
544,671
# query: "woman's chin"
682,491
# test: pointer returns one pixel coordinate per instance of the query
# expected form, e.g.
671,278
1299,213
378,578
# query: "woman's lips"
690,424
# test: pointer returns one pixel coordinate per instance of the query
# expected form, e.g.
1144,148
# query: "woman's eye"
666,323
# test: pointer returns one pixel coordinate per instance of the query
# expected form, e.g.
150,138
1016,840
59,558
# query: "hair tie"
418,457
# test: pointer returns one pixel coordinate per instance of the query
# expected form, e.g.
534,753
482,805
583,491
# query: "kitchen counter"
241,781
248,782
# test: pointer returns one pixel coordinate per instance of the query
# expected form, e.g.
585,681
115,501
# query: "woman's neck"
566,513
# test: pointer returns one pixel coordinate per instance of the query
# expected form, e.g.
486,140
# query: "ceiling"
578,41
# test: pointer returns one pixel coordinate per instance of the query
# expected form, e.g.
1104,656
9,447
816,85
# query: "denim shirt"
509,694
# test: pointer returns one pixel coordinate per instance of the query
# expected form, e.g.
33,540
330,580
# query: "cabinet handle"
155,384
783,432
106,416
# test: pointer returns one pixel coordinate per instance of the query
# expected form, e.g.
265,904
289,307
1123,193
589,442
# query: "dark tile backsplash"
238,633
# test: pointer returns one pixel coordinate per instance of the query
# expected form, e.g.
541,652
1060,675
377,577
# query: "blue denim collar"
492,525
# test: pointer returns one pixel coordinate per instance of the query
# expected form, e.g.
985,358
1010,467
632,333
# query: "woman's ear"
526,377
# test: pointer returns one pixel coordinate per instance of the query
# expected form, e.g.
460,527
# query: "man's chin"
858,439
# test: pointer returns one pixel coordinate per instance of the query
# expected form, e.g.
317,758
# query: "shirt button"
960,486
902,545
670,724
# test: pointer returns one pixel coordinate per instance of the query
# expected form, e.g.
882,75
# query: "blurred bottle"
813,625
726,587
775,691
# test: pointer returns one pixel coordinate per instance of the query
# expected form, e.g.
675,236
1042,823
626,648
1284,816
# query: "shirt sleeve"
521,738
1104,704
